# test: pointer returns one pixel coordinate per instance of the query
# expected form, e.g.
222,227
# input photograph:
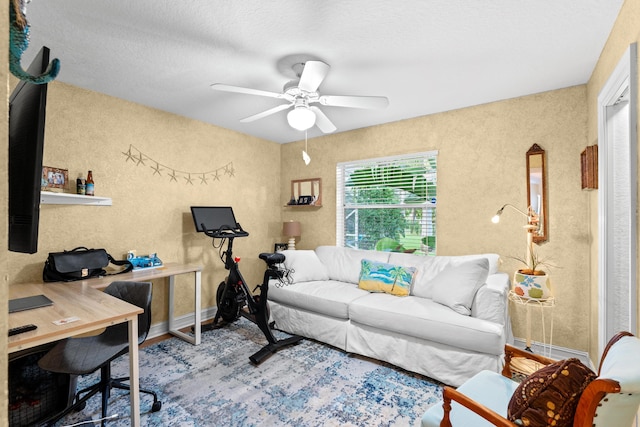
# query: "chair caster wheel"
80,407
156,406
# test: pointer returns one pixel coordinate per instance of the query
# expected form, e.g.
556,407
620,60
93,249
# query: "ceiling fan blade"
237,89
312,75
322,121
266,113
371,102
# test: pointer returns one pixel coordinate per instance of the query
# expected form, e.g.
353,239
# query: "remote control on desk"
20,329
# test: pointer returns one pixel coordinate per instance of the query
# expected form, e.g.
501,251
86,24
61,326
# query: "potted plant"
531,282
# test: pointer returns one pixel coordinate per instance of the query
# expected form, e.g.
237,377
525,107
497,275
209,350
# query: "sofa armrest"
491,302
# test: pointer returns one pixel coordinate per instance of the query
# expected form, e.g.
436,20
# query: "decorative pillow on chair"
378,276
549,396
456,285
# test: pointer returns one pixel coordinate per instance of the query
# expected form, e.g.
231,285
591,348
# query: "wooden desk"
95,309
169,270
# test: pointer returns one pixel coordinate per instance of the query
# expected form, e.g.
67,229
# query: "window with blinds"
388,204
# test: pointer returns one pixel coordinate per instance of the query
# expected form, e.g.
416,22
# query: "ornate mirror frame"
537,198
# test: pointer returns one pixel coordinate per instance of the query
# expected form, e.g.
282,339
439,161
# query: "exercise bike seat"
272,258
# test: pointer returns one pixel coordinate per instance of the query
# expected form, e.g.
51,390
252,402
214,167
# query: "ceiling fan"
301,94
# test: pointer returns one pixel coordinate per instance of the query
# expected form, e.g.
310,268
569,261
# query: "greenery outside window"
388,204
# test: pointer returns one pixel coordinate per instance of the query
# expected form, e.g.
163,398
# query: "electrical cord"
110,417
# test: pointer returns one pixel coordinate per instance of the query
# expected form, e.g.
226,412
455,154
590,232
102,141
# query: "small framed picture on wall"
279,247
54,178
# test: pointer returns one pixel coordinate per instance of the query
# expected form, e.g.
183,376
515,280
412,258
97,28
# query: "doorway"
617,200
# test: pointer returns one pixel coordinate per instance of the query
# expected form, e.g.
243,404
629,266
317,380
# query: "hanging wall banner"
189,177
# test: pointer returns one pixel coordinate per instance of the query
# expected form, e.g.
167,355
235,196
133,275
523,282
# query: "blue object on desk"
149,261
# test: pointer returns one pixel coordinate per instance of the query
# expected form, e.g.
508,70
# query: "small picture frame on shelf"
305,200
279,247
54,179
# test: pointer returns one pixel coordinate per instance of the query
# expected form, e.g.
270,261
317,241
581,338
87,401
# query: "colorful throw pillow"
549,396
382,277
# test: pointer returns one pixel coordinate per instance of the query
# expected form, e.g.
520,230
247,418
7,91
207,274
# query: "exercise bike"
233,296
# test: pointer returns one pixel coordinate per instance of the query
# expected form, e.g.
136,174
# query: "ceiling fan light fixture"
301,118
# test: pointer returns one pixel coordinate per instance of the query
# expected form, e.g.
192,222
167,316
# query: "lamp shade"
301,118
291,229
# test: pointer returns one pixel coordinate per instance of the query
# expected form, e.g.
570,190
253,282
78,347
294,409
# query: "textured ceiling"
426,56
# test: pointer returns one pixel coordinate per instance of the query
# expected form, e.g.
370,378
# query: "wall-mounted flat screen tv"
27,110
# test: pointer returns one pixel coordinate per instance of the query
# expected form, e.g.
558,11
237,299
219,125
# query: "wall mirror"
306,192
537,190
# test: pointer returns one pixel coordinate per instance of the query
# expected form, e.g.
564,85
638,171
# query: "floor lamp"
531,227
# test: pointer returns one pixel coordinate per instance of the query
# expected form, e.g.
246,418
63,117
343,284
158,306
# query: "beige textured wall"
4,131
150,212
481,166
625,31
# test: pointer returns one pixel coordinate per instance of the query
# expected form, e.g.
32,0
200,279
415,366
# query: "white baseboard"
555,352
184,321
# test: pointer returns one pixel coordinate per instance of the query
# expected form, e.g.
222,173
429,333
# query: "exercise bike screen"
213,217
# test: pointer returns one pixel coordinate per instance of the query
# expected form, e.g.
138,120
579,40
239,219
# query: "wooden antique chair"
610,399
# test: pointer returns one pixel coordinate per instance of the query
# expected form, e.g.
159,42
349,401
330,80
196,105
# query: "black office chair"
81,356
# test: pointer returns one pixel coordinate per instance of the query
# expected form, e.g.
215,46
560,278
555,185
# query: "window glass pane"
388,204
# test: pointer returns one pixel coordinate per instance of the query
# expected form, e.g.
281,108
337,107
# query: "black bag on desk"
78,264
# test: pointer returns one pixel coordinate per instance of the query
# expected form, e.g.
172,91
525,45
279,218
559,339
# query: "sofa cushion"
425,319
456,285
382,277
421,263
304,266
343,264
330,297
549,396
422,284
494,260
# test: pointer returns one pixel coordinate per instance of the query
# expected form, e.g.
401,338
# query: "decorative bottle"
89,186
80,185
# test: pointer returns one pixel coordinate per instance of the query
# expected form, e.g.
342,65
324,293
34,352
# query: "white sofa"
453,324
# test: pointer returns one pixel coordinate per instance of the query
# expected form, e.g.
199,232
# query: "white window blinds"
388,204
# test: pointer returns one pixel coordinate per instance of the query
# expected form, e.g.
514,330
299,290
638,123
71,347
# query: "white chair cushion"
621,364
489,388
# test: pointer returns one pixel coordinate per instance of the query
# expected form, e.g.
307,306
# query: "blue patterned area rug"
308,384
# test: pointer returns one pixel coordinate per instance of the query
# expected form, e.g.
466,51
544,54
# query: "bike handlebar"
225,232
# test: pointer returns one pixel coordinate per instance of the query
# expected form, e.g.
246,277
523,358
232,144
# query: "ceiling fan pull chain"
305,155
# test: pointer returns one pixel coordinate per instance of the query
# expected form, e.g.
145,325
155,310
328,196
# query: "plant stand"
543,304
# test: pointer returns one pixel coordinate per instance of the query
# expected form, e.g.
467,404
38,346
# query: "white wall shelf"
51,198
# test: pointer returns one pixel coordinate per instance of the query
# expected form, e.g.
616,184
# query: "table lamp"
291,229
